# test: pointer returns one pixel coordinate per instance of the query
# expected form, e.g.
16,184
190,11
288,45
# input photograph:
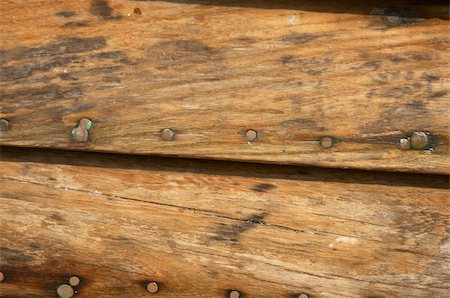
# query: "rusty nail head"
79,134
2,277
152,287
235,294
74,281
85,123
404,144
419,140
65,291
167,134
4,124
251,135
326,142
303,295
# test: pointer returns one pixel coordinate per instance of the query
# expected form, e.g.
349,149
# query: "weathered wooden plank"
293,71
200,228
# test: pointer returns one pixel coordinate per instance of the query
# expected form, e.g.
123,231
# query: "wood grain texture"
366,74
201,228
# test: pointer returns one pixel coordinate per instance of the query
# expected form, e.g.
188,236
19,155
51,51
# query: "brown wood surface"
201,228
366,74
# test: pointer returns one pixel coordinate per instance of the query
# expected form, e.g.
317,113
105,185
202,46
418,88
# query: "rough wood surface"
201,228
366,74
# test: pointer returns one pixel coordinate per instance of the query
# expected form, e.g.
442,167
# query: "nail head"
419,140
326,142
2,277
152,287
74,281
65,291
4,124
235,294
85,123
404,144
303,295
251,135
167,134
79,134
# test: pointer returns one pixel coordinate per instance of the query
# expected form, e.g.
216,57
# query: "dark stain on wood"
421,222
415,87
421,57
212,273
180,54
299,38
68,77
438,94
66,14
48,92
263,187
405,58
113,56
417,105
313,72
101,8
12,256
430,77
101,70
397,59
288,59
12,73
374,65
109,55
232,233
317,62
49,62
67,46
56,216
121,238
35,246
75,24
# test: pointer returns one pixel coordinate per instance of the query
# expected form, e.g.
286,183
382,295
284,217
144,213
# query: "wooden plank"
366,74
201,228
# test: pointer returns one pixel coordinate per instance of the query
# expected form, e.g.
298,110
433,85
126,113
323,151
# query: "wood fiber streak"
201,228
294,71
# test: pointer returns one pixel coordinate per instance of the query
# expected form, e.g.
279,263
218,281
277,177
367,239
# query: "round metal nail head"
419,140
79,134
4,124
85,123
152,287
74,281
404,144
326,142
251,135
65,291
167,134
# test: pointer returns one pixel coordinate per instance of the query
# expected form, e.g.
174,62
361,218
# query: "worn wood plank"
201,228
366,74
